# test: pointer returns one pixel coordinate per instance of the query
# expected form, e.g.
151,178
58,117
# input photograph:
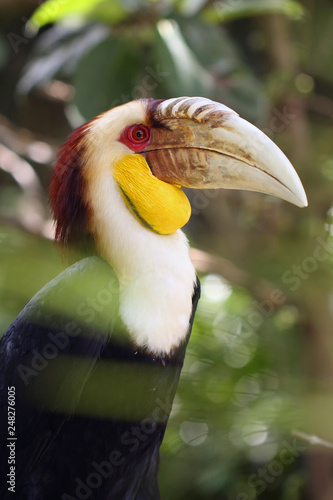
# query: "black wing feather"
56,323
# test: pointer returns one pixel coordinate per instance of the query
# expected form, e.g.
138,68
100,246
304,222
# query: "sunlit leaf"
233,81
214,69
186,75
224,11
191,7
109,11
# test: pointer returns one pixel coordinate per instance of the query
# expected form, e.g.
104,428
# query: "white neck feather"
155,274
155,271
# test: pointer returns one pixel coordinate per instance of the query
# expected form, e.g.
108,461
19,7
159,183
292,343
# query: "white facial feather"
155,272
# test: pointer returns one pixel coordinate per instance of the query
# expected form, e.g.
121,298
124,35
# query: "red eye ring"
138,134
136,137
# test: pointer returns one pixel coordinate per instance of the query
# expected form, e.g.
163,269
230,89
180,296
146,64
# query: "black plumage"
91,410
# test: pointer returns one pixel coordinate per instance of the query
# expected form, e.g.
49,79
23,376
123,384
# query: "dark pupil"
139,134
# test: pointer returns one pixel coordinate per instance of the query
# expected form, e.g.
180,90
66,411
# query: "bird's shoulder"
83,296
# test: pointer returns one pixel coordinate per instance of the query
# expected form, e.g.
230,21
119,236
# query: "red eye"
136,137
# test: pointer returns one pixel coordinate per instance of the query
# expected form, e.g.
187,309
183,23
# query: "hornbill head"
140,154
117,184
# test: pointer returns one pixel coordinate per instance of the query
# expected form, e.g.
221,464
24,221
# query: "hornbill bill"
93,360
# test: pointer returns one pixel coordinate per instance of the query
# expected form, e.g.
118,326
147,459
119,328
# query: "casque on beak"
204,144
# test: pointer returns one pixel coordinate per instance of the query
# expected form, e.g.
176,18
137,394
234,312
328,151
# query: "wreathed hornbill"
93,361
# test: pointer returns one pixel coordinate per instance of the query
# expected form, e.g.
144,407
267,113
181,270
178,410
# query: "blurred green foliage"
230,11
257,368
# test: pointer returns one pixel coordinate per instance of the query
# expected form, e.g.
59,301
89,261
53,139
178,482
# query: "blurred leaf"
230,11
58,52
117,64
206,62
234,82
191,7
109,11
213,47
186,75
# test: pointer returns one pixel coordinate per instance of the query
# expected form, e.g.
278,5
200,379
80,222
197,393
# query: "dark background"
256,386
